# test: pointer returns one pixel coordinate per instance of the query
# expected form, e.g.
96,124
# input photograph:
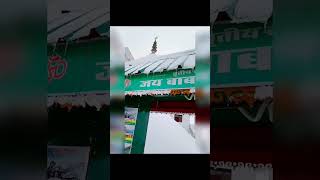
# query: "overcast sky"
171,39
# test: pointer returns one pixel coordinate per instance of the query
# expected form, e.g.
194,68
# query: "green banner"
180,79
78,67
241,54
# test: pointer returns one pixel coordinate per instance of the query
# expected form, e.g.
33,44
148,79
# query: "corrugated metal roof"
177,62
77,24
153,63
242,10
165,65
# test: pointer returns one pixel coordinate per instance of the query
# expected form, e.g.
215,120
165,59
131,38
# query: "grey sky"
171,39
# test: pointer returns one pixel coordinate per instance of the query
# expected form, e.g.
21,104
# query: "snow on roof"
77,24
153,63
242,10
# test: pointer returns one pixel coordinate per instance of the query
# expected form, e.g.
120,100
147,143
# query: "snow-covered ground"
166,136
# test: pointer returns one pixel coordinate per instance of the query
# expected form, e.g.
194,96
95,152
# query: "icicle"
65,49
265,23
54,48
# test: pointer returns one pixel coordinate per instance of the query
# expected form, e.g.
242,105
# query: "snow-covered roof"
77,23
242,10
154,63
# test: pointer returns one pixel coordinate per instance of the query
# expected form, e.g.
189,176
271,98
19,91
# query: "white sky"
171,39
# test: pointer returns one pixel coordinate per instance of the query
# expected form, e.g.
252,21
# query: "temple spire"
154,46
